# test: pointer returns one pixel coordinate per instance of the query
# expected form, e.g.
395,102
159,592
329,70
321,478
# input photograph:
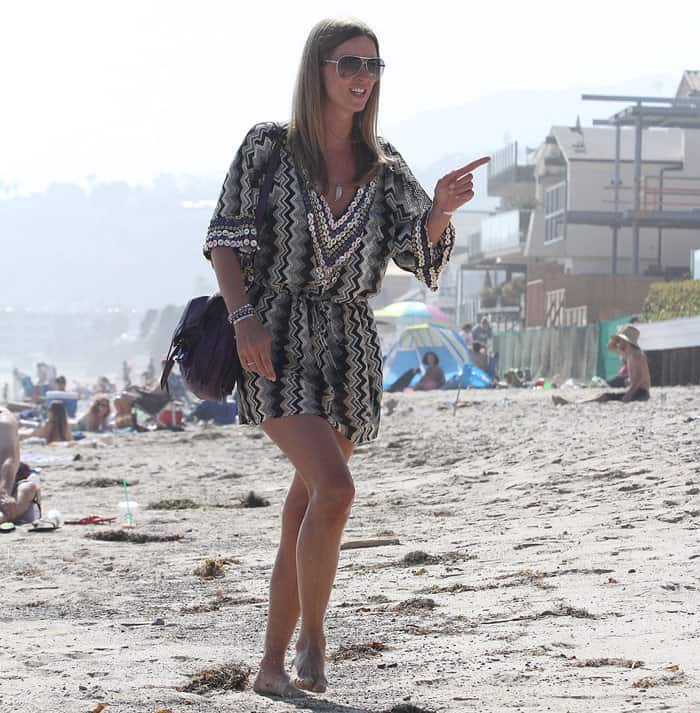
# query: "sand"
562,570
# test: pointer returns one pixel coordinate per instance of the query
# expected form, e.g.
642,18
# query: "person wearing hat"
626,344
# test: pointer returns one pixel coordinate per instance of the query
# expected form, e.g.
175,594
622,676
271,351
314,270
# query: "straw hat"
629,333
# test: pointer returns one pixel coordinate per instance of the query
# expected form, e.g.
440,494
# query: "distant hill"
141,247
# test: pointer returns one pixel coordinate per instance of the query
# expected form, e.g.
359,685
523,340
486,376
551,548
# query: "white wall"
590,247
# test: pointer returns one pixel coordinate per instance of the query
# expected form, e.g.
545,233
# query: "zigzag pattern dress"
309,277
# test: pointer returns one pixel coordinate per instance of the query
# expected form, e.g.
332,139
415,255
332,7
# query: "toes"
306,684
310,684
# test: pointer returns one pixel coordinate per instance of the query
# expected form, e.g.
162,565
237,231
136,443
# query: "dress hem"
343,429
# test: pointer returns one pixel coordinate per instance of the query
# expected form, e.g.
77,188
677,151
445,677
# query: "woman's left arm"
423,234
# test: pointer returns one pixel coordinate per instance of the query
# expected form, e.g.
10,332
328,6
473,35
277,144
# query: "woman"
56,428
343,203
95,420
434,376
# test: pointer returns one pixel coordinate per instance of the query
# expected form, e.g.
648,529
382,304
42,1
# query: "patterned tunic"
309,277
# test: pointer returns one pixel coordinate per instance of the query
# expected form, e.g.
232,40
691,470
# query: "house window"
555,212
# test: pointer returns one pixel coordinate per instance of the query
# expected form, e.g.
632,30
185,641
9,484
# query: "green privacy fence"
569,352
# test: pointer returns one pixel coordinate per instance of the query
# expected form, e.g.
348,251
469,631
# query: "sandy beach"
553,565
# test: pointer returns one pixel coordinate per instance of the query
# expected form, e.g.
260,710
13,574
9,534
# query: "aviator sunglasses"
349,66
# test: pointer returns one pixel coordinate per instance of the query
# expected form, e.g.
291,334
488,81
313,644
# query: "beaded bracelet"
240,319
240,313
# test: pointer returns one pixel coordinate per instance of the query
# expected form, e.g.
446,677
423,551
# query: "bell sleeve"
233,223
408,207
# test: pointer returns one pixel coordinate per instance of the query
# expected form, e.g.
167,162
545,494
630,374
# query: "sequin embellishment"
335,239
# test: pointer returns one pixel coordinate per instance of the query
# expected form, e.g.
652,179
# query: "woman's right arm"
252,339
231,242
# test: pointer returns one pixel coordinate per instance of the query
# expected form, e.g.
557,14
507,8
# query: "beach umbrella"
413,311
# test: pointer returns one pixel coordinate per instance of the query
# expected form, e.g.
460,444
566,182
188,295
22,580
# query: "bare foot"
310,665
274,682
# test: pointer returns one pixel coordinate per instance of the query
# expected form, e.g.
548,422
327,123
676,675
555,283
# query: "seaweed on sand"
419,557
353,652
175,504
417,604
254,501
225,677
211,569
104,483
138,538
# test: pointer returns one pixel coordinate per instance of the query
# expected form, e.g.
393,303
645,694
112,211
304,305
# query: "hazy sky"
131,89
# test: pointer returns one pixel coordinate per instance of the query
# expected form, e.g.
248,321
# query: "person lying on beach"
625,343
56,429
17,494
95,420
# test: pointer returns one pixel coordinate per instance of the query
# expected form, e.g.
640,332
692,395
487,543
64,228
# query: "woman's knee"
335,495
28,488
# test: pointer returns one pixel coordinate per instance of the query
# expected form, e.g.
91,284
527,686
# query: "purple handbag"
204,343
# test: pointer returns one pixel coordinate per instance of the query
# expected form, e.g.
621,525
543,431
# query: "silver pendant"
338,192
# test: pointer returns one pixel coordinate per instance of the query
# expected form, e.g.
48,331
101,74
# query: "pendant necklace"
338,192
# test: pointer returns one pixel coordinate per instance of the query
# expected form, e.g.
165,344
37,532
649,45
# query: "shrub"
670,300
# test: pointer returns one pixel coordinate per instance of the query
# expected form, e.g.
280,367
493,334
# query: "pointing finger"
470,166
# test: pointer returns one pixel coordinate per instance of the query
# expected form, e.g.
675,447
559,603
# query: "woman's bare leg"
308,549
283,610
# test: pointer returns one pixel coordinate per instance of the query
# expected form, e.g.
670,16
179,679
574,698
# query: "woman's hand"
456,188
255,347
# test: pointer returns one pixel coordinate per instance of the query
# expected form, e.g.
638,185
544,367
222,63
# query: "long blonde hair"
306,133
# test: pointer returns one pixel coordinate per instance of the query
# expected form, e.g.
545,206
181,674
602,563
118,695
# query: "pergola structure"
643,113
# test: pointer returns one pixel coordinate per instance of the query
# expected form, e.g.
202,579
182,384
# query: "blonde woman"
343,203
97,417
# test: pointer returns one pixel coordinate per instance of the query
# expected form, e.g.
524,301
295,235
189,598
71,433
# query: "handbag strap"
266,189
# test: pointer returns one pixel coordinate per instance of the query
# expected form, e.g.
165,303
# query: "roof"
598,143
690,84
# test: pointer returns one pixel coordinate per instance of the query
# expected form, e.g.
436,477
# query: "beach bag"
204,343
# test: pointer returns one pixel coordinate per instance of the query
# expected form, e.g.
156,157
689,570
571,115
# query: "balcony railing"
506,168
504,231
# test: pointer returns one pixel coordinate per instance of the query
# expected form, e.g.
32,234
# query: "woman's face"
349,95
430,358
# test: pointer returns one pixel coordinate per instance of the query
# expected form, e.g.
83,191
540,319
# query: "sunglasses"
349,66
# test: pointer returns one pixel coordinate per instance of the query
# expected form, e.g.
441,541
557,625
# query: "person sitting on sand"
56,428
95,420
625,343
18,496
480,356
434,377
619,381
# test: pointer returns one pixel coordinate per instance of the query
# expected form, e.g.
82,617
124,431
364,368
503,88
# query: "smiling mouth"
357,92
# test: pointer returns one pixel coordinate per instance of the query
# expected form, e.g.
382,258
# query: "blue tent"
412,345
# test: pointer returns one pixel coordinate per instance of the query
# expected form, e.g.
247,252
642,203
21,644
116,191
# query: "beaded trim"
238,232
335,239
431,258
